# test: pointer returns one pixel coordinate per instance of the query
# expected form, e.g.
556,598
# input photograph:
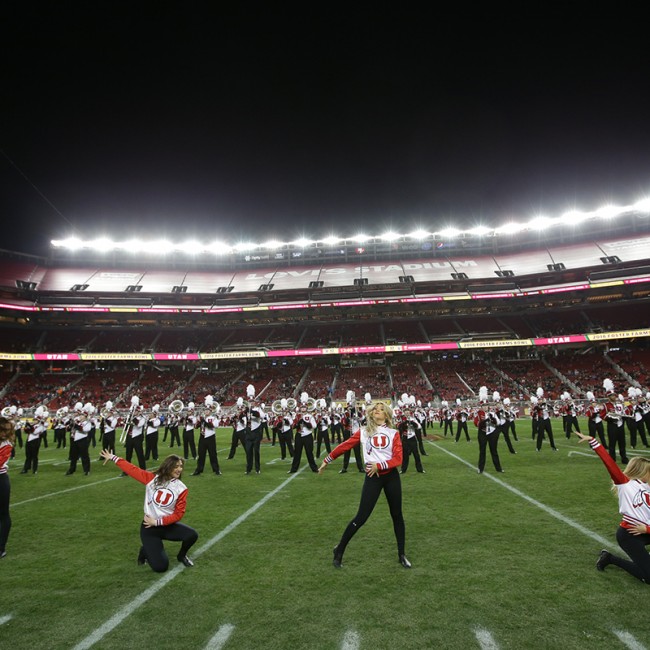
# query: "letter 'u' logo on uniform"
380,441
163,497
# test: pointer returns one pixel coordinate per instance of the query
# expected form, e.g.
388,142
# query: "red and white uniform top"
306,423
5,454
81,430
633,494
210,425
165,502
383,448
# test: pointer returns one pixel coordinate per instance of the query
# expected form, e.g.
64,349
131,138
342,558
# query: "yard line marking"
582,453
627,639
122,614
72,489
485,639
350,641
219,639
548,510
5,619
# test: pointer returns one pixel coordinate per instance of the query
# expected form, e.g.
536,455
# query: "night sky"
189,120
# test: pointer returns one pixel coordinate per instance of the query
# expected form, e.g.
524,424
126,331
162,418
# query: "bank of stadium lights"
571,218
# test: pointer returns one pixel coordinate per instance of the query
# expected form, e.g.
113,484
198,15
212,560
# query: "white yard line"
628,640
72,489
485,639
554,513
128,609
220,638
350,641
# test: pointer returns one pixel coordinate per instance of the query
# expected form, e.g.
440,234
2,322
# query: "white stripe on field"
350,641
485,639
219,639
128,609
582,453
627,639
5,619
72,489
554,513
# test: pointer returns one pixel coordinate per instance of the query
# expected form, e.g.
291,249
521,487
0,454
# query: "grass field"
499,560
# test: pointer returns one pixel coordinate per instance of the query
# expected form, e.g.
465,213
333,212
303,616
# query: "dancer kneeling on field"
633,535
164,507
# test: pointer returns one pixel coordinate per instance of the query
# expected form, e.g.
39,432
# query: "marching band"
311,425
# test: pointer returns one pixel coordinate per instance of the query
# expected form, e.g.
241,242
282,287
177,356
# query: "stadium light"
162,246
449,232
608,212
389,236
360,238
219,248
419,234
541,223
479,231
131,246
574,217
243,247
332,240
273,244
511,228
302,242
642,206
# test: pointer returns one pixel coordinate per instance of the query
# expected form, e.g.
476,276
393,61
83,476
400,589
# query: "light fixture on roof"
302,242
608,211
243,247
360,238
449,232
332,240
389,236
419,234
479,231
273,244
511,228
642,205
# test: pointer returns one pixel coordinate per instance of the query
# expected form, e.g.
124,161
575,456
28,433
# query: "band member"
462,415
265,423
7,441
191,423
487,425
634,412
615,424
34,431
382,450
544,426
80,441
285,435
305,425
239,426
173,424
151,438
408,428
633,534
323,429
208,438
570,416
446,418
346,426
500,413
164,506
109,424
19,425
511,418
61,423
253,439
134,437
595,414
337,426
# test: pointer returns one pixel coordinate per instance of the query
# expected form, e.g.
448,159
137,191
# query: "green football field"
499,560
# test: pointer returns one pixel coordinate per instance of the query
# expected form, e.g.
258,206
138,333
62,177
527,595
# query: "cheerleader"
382,449
164,506
7,441
633,534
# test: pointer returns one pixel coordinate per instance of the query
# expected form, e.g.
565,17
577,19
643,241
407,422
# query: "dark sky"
185,119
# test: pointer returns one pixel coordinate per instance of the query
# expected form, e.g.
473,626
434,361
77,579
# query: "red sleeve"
138,474
614,471
346,445
178,513
5,454
396,460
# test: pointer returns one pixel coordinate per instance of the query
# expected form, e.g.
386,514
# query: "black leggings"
152,543
372,486
5,519
635,547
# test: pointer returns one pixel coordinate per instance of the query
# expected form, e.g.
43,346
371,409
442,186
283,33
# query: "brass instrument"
176,407
6,412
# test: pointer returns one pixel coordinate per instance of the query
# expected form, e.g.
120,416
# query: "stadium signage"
495,344
608,336
555,340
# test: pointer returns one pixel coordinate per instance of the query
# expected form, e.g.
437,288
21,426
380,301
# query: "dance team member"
633,534
382,450
164,506
7,441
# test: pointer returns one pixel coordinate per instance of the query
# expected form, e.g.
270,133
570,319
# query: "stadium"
499,561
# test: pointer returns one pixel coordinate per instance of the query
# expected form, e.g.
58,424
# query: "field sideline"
499,560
